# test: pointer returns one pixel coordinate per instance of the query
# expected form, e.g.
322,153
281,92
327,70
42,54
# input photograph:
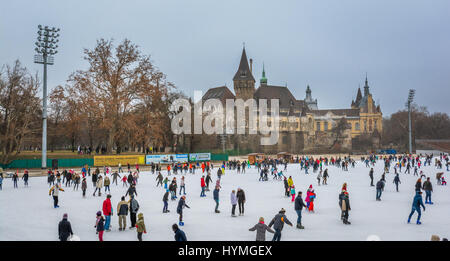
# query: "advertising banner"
166,158
199,156
115,160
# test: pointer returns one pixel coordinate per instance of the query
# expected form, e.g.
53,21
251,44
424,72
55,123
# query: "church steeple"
263,78
244,83
366,87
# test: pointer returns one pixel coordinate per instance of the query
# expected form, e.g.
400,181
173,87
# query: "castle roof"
243,72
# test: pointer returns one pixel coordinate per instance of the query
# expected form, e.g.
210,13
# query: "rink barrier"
37,163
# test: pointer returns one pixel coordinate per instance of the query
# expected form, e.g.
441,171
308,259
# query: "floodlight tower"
45,49
408,103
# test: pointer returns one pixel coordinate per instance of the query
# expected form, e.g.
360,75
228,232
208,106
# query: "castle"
303,127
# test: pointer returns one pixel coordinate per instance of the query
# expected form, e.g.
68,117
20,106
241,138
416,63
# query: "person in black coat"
181,205
241,200
131,191
179,234
64,229
299,204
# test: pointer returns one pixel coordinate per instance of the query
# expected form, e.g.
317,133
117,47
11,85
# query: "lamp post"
410,100
45,49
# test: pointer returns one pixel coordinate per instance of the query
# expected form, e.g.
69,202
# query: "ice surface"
28,213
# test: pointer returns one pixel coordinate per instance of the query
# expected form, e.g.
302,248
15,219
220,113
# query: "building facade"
303,127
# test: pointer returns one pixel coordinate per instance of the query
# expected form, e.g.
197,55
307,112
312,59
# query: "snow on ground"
28,213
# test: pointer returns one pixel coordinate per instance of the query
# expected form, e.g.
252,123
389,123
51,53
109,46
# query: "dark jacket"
101,224
427,186
418,186
379,184
240,196
261,229
166,196
180,235
64,229
122,208
216,194
180,206
397,179
278,221
131,191
344,197
299,204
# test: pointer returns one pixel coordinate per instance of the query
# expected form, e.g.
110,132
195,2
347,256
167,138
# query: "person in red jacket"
203,185
168,169
107,211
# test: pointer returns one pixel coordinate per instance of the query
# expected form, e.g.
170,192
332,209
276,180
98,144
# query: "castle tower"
244,83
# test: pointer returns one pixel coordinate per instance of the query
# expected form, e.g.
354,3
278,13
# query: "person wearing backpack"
122,212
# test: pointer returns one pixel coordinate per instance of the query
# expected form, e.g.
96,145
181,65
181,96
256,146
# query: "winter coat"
134,205
131,191
233,198
286,185
101,224
290,182
140,224
99,183
107,182
397,179
107,209
380,184
417,202
418,186
240,196
344,201
64,229
278,221
299,204
202,182
261,229
216,194
122,208
427,186
166,196
54,191
208,179
180,235
181,205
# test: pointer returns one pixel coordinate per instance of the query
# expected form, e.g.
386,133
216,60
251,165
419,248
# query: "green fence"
219,157
37,163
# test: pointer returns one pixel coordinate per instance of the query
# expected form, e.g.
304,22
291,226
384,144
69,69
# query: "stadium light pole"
45,49
410,100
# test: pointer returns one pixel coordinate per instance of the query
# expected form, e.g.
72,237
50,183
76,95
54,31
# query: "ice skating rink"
28,213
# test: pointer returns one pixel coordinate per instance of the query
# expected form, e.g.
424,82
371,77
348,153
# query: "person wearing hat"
344,204
278,224
417,203
64,228
261,229
99,225
140,226
179,234
107,211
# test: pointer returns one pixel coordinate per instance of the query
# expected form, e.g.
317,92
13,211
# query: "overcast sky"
329,45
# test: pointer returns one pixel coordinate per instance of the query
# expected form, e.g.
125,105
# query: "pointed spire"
243,72
263,78
366,87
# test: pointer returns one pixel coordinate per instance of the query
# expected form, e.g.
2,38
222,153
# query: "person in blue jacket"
179,234
417,202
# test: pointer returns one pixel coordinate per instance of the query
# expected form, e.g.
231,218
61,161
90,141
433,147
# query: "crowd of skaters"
320,165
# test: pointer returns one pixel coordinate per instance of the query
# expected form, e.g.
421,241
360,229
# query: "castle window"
357,126
285,140
370,125
375,124
365,125
325,126
318,126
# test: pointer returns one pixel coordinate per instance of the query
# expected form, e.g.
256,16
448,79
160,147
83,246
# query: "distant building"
303,126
